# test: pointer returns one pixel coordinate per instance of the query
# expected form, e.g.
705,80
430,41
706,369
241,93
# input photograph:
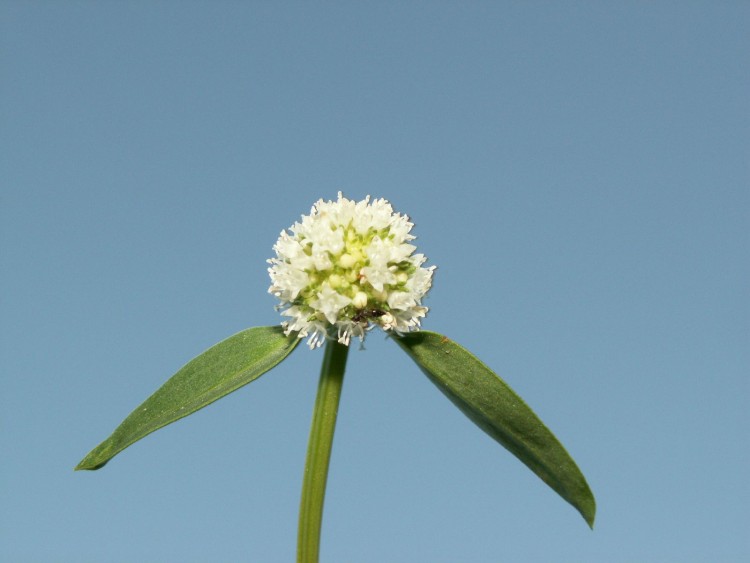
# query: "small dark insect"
366,314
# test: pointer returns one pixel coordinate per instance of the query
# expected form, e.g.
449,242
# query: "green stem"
319,451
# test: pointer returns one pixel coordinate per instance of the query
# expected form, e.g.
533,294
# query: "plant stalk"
319,451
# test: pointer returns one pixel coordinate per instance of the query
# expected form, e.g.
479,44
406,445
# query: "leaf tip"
590,521
587,508
96,458
88,466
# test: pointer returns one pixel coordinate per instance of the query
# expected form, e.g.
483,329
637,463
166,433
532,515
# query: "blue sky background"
577,171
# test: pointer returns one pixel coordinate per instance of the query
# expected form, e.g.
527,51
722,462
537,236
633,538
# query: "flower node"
346,267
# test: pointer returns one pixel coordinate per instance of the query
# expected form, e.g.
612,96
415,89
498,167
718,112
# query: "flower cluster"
346,267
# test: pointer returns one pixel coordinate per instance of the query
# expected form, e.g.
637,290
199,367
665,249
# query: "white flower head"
346,267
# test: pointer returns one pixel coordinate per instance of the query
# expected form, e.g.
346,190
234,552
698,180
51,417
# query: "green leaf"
221,369
495,408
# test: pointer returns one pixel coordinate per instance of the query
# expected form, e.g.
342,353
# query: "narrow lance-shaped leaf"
495,408
221,369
